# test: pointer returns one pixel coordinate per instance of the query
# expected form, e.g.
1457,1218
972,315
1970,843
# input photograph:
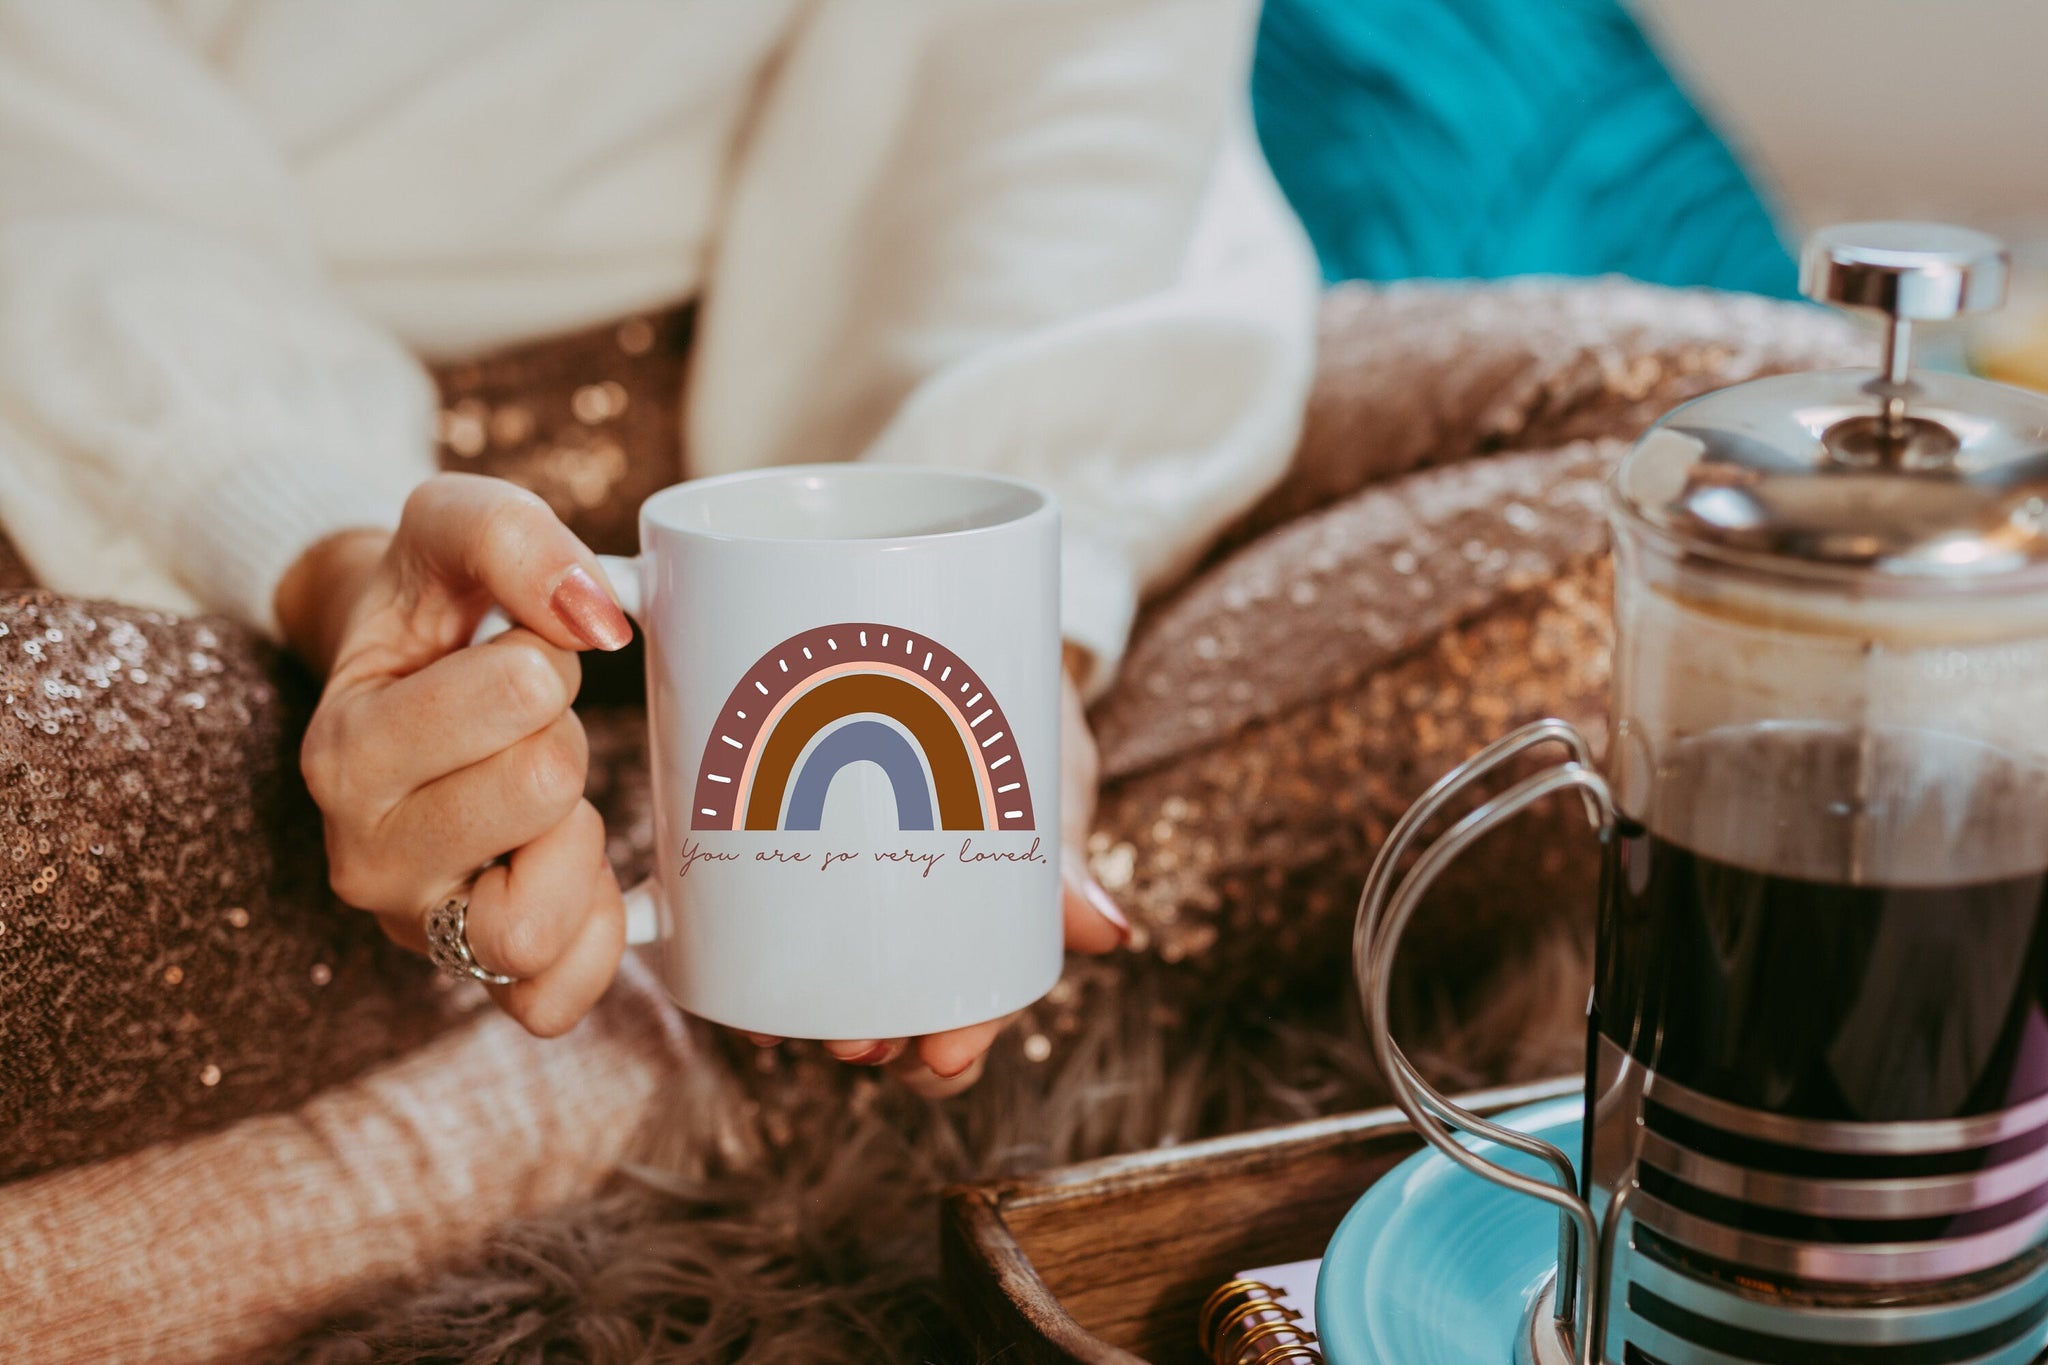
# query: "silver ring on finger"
448,944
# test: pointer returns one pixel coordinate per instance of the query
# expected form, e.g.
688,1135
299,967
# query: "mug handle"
643,920
1385,907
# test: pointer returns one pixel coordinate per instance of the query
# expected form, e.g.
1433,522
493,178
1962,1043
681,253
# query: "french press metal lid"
1899,480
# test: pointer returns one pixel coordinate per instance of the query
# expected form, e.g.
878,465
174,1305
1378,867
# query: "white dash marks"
999,790
863,639
730,740
831,643
927,666
761,687
706,810
999,763
715,777
990,740
945,672
807,651
782,664
980,718
973,699
1013,815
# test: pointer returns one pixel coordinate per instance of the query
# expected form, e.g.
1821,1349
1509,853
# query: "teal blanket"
1483,138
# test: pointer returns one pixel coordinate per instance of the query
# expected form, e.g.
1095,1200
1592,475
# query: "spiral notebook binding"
1243,1322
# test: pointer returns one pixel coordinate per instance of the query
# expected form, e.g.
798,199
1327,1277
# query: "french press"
1817,1046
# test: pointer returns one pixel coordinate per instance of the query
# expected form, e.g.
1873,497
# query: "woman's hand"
429,759
947,1063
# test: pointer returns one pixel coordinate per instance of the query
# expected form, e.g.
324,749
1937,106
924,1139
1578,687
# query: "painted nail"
858,1053
589,611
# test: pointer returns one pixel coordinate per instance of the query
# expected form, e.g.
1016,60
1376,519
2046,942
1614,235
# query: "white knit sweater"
1027,235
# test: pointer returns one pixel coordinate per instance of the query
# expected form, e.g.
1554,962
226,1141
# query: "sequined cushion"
170,956
1278,715
1430,573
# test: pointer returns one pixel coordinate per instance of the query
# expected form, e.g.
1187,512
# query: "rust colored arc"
928,722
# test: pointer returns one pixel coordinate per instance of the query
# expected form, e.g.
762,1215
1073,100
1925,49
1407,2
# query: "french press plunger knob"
1910,272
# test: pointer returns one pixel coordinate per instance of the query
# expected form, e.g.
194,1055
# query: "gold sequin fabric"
1430,573
1281,714
170,957
1421,374
591,421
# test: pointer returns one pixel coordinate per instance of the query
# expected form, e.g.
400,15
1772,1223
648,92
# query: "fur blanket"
1393,603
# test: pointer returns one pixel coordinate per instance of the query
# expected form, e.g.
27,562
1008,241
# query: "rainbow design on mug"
861,693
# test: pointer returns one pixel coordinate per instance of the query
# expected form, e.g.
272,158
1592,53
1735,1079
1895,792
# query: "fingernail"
862,1053
1107,908
1098,899
588,610
763,1039
957,1073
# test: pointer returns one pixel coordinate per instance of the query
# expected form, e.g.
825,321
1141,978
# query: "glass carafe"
1817,1058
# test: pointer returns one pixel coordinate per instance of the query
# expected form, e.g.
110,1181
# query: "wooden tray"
1106,1263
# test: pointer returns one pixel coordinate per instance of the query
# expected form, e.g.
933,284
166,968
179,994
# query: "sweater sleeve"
1032,236
185,404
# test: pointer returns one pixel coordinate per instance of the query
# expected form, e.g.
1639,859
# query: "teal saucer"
1435,1266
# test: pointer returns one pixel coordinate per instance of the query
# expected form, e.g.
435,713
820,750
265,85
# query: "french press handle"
1385,906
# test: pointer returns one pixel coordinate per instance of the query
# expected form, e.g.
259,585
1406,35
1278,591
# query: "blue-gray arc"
861,741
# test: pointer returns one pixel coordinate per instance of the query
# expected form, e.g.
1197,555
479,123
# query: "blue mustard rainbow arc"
861,692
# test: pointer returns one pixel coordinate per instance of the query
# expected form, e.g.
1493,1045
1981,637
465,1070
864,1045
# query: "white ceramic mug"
853,679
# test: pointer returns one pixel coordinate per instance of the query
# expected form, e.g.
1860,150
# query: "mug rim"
660,509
